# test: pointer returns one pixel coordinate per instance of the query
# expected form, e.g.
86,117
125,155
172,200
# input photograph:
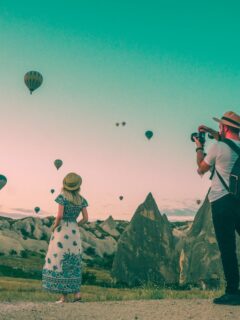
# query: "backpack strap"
222,180
212,173
232,145
235,148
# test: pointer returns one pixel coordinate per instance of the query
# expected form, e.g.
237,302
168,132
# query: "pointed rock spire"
145,251
110,226
200,263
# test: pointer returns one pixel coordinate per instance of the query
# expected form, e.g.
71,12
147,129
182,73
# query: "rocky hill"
199,260
147,249
31,235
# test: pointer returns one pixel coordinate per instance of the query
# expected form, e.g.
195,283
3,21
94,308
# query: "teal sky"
167,66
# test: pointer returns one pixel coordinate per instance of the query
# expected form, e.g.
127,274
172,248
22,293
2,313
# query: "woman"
62,269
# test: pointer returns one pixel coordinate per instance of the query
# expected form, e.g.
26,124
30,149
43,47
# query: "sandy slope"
127,310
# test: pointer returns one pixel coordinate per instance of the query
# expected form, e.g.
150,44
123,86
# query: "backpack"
234,179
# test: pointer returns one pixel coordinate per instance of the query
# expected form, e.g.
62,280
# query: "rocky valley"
148,249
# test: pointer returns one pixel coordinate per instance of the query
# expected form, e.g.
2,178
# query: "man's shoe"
228,299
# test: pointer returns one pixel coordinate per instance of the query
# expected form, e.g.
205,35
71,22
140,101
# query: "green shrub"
13,252
14,272
105,262
108,260
24,254
32,228
88,278
25,234
50,222
90,251
44,237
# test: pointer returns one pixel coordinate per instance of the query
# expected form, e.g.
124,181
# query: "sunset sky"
165,66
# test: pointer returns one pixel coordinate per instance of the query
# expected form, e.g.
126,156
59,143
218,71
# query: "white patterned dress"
62,269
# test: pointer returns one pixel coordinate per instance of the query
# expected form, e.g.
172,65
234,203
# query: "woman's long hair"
72,196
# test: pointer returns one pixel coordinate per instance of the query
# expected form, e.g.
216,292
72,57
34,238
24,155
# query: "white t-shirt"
223,157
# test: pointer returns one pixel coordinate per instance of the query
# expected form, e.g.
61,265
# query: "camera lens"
194,135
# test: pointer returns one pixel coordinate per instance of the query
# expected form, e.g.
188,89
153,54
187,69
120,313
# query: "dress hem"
57,291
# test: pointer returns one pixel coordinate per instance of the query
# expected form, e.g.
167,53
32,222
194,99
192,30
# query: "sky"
165,66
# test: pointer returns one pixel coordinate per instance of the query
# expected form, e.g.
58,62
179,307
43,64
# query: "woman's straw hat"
72,181
230,119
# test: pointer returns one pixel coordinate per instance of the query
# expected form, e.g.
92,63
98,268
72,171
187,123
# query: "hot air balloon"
198,201
3,181
149,134
123,123
37,209
117,124
121,197
33,80
58,163
52,190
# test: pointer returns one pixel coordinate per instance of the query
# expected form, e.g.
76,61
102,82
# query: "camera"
201,136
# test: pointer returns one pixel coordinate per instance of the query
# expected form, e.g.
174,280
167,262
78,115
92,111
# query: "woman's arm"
59,216
84,218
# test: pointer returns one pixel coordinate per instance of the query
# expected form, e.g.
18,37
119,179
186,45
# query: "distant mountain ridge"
13,215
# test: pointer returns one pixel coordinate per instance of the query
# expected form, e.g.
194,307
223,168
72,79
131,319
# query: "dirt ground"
165,309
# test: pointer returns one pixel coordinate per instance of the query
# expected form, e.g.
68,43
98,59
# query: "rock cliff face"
32,234
110,226
145,250
199,260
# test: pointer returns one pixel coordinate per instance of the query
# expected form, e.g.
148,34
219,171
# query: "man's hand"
212,132
198,143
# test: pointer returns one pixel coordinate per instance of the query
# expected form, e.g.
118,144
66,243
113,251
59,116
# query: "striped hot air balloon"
33,80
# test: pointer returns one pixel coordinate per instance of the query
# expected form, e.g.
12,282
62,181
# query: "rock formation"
148,249
110,226
199,261
145,251
32,234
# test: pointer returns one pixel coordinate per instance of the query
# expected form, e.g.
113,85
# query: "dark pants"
226,220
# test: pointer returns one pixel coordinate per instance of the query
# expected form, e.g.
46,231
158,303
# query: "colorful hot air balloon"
58,163
149,134
52,190
121,197
33,80
3,181
37,209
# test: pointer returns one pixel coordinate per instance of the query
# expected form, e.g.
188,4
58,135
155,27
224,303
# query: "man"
225,208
